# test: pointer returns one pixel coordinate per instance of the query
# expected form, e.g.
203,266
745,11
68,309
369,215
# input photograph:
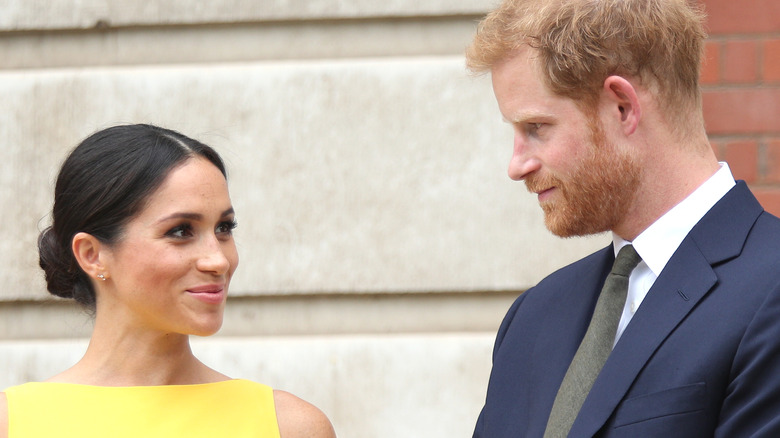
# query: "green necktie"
595,346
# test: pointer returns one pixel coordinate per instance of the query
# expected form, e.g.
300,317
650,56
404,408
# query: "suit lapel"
560,335
685,280
670,299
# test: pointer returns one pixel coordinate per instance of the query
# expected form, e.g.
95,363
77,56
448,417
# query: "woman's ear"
87,251
621,96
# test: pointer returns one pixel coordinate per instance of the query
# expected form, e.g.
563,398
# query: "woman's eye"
181,231
227,227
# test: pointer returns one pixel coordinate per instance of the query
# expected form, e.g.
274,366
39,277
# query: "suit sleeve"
510,315
752,403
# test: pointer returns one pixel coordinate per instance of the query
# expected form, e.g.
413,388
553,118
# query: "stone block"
101,14
347,176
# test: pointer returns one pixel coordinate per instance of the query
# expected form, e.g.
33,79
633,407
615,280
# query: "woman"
142,234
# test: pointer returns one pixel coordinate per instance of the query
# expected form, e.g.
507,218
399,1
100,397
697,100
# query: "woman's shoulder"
299,418
3,415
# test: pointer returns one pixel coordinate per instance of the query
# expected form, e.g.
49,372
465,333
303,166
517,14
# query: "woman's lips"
212,293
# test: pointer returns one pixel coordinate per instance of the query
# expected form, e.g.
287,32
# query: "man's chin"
565,225
557,223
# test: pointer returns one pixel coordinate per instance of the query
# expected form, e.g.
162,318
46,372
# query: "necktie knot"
626,261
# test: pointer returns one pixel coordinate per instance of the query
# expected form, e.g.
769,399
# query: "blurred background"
380,239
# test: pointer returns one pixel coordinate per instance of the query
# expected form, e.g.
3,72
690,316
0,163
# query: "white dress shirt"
659,241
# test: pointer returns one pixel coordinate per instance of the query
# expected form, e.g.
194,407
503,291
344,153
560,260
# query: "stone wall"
380,239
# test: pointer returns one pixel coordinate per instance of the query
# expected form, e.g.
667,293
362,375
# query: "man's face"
585,184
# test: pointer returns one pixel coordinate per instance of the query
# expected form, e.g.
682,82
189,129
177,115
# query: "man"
604,102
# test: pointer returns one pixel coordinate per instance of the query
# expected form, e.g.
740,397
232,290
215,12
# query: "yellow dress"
233,408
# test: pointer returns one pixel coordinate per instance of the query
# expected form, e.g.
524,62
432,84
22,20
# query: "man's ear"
87,251
622,100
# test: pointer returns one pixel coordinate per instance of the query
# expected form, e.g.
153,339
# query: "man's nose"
522,162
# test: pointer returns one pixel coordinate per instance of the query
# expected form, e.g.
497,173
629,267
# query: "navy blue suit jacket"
700,358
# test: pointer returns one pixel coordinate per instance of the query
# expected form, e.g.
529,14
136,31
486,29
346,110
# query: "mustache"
536,183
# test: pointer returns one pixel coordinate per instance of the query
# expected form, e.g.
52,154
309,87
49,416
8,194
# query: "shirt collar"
659,241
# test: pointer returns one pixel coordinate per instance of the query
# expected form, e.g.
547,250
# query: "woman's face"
170,270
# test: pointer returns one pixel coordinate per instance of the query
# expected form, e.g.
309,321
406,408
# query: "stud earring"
102,277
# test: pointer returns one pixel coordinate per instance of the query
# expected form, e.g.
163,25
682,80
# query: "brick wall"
741,91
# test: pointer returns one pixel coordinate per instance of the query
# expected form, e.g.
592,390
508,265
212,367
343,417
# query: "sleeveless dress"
232,408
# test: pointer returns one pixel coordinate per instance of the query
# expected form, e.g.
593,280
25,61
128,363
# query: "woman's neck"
123,356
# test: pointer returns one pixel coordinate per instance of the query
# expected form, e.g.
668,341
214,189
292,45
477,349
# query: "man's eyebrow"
527,115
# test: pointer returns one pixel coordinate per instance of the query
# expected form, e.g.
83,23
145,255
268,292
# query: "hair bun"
63,277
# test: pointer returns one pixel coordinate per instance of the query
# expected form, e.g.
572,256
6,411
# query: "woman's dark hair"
105,182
